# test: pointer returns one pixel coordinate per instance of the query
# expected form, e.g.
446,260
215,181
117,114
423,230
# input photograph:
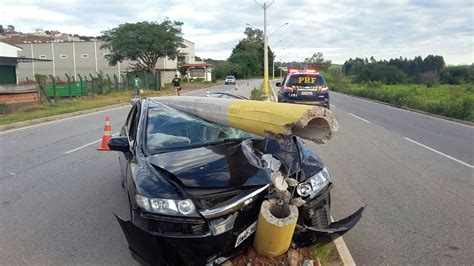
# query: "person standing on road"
176,82
137,84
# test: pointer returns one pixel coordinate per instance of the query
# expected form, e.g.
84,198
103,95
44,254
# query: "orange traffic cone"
104,146
207,93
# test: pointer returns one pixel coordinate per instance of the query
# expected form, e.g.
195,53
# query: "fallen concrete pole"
262,118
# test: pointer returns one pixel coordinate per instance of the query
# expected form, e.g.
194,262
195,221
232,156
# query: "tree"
317,59
144,42
457,74
10,28
2,30
247,56
433,63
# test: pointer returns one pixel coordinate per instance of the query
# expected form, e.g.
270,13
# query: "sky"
339,29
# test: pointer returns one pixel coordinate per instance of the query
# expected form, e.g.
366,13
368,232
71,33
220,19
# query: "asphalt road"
418,191
58,194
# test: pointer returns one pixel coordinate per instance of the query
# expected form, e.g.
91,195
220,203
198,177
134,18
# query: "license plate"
246,233
306,93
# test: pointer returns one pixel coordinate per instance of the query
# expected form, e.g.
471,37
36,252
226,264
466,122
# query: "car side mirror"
119,144
278,84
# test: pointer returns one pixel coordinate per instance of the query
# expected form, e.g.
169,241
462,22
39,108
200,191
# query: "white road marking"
342,249
86,145
332,105
440,153
60,120
367,121
274,93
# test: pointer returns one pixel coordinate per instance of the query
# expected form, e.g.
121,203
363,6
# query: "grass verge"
80,104
455,101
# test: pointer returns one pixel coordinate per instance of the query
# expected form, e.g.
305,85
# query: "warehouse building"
84,58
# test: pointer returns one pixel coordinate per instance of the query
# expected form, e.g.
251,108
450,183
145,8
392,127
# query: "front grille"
174,225
209,198
177,227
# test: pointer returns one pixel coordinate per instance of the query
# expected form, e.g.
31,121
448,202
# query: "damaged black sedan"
195,188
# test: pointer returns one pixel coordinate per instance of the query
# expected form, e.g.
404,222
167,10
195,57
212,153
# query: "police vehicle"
304,87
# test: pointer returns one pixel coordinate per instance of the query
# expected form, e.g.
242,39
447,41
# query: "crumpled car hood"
215,166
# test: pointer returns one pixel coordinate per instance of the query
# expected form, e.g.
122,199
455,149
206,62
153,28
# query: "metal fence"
68,87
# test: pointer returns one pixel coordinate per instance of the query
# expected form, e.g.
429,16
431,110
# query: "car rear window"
230,77
305,80
170,129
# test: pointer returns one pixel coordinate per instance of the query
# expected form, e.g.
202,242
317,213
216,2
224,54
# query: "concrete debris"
291,182
294,257
298,202
298,256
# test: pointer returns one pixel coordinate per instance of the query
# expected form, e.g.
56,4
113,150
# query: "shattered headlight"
166,206
314,185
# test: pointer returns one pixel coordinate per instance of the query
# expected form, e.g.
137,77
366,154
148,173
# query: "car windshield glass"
305,80
168,129
230,77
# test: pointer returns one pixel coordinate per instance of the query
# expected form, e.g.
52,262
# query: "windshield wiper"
197,145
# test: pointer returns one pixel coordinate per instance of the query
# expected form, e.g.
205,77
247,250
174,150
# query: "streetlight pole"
265,6
273,67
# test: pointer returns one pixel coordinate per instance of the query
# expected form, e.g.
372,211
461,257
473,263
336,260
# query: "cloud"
339,29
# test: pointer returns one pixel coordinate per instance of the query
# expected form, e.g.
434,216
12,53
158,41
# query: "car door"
129,131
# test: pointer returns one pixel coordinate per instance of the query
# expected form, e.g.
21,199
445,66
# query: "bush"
428,78
197,80
257,94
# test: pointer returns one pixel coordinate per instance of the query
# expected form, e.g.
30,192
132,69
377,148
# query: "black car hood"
215,166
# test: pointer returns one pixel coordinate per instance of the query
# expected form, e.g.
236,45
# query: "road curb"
57,117
410,109
72,114
275,97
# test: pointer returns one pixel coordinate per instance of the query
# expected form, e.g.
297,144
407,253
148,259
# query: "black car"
195,188
304,87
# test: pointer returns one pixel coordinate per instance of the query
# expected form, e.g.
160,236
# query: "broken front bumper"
209,246
151,248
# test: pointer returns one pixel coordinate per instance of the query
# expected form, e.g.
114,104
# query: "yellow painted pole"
275,227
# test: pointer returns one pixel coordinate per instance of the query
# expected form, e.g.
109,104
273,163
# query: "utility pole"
265,6
273,67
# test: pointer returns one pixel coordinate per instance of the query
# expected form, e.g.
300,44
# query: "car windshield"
168,129
230,77
305,80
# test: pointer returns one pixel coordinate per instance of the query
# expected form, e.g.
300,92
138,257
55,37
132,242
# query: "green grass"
456,101
326,253
68,106
258,94
65,106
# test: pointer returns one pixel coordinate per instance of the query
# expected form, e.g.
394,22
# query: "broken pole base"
275,227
